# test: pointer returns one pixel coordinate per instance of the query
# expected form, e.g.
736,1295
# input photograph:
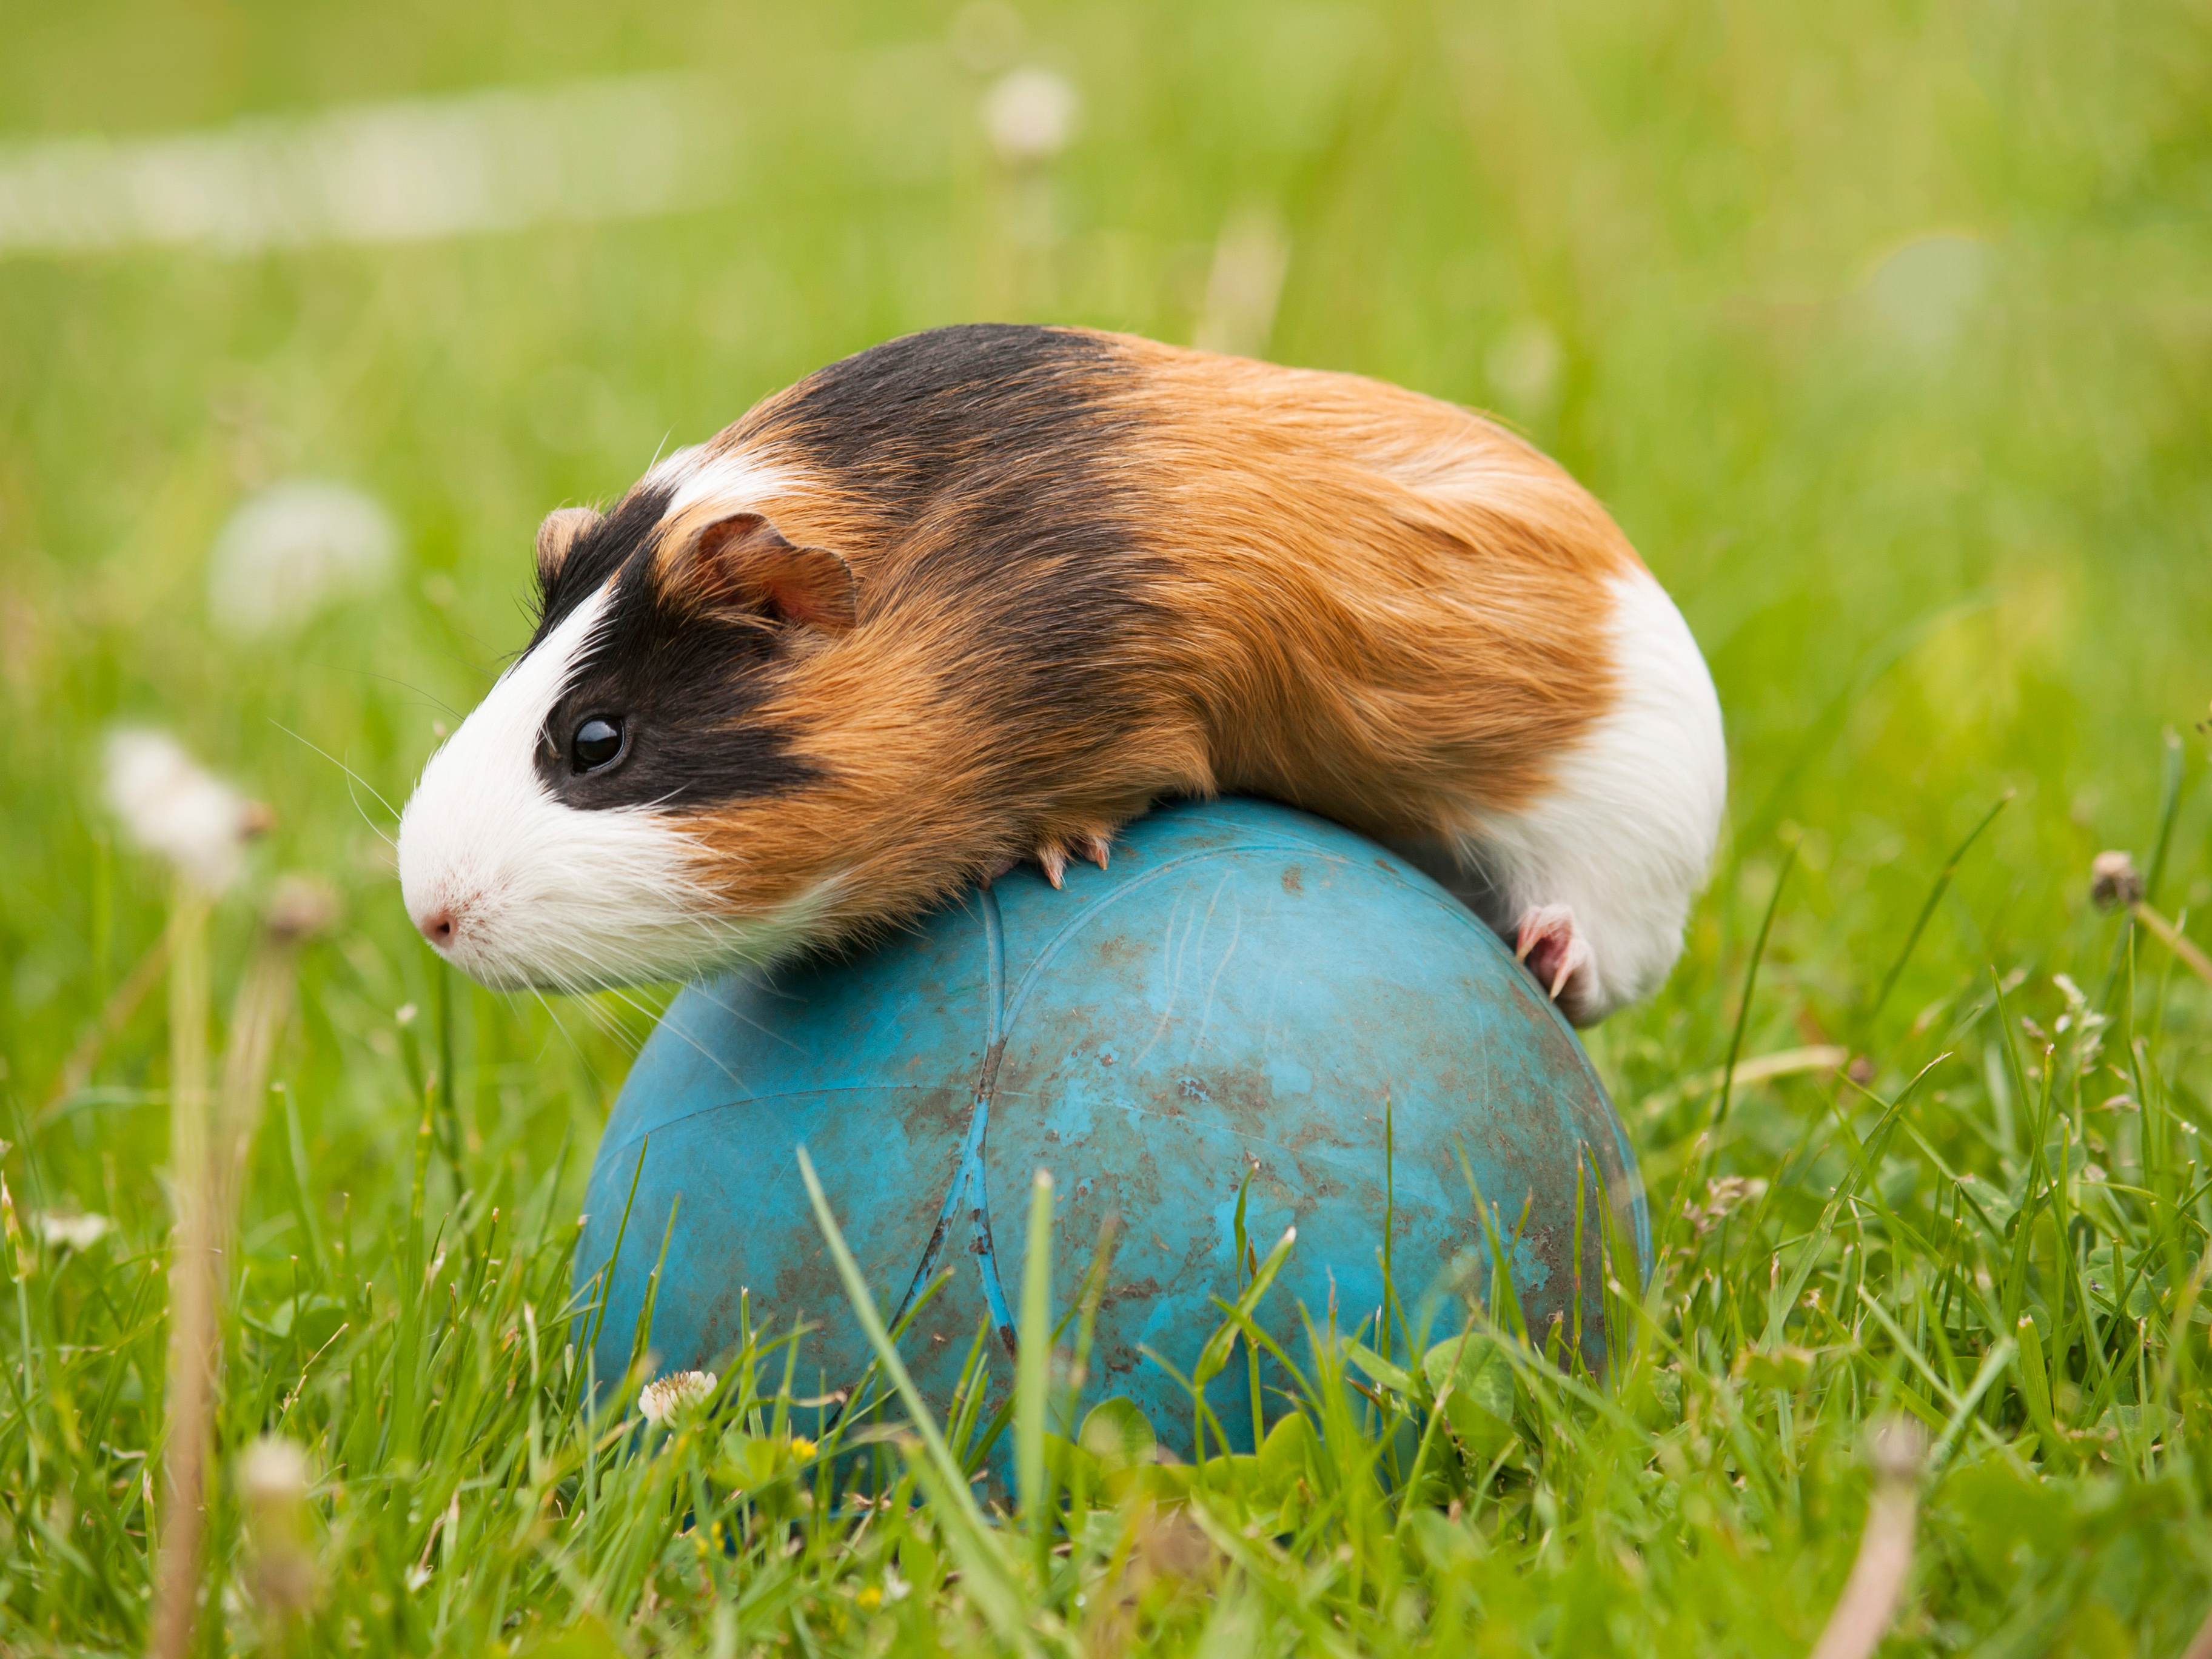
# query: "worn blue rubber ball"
1250,995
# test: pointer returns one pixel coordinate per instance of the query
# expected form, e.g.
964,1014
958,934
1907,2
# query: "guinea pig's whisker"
429,697
616,1027
651,1019
605,978
609,1026
649,1016
352,778
567,1036
702,989
579,997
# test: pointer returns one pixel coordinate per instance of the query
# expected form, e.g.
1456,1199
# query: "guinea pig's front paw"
1548,944
1051,855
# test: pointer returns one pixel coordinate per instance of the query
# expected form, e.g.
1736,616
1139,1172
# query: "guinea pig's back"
1422,598
1368,601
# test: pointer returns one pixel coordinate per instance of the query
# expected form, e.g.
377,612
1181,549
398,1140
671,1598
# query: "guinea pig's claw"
1546,940
1051,855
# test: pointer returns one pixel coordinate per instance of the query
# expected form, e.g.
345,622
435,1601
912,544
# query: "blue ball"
1249,993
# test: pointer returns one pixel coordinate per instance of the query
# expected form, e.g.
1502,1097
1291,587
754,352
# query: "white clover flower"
1030,114
661,1399
294,549
75,1232
170,807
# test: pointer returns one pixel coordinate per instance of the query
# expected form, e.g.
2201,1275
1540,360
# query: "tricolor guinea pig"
984,594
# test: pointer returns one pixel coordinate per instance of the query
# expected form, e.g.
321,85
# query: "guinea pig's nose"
437,925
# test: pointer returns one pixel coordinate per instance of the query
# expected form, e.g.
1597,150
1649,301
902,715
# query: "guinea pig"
983,593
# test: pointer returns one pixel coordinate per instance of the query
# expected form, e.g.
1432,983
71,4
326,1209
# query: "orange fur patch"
1365,602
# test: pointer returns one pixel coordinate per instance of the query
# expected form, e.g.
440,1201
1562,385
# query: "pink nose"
437,925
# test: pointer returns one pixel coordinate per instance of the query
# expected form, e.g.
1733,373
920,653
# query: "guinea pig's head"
568,835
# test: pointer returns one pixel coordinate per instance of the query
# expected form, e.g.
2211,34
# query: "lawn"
1883,331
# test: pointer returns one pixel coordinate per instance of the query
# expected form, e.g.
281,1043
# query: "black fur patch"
685,687
985,458
597,554
952,411
991,455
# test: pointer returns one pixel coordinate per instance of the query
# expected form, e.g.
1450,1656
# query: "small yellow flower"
869,1599
801,1446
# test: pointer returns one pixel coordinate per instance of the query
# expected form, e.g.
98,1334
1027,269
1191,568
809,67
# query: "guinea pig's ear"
744,561
557,535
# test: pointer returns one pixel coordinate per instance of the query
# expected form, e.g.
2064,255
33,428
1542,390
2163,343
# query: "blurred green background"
1885,331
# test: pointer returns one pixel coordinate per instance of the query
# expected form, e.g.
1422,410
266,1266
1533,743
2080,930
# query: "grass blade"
1032,1361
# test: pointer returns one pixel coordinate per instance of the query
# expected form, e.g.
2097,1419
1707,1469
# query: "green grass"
1937,553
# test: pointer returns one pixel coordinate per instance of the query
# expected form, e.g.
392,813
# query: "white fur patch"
543,895
1626,835
735,479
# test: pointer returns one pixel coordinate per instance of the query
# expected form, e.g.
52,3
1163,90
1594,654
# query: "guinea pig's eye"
597,742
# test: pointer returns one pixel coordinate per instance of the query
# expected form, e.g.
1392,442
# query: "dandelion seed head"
291,550
301,907
2114,880
74,1232
171,806
1030,114
273,1471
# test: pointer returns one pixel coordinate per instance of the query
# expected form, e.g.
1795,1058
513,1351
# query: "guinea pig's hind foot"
1547,942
